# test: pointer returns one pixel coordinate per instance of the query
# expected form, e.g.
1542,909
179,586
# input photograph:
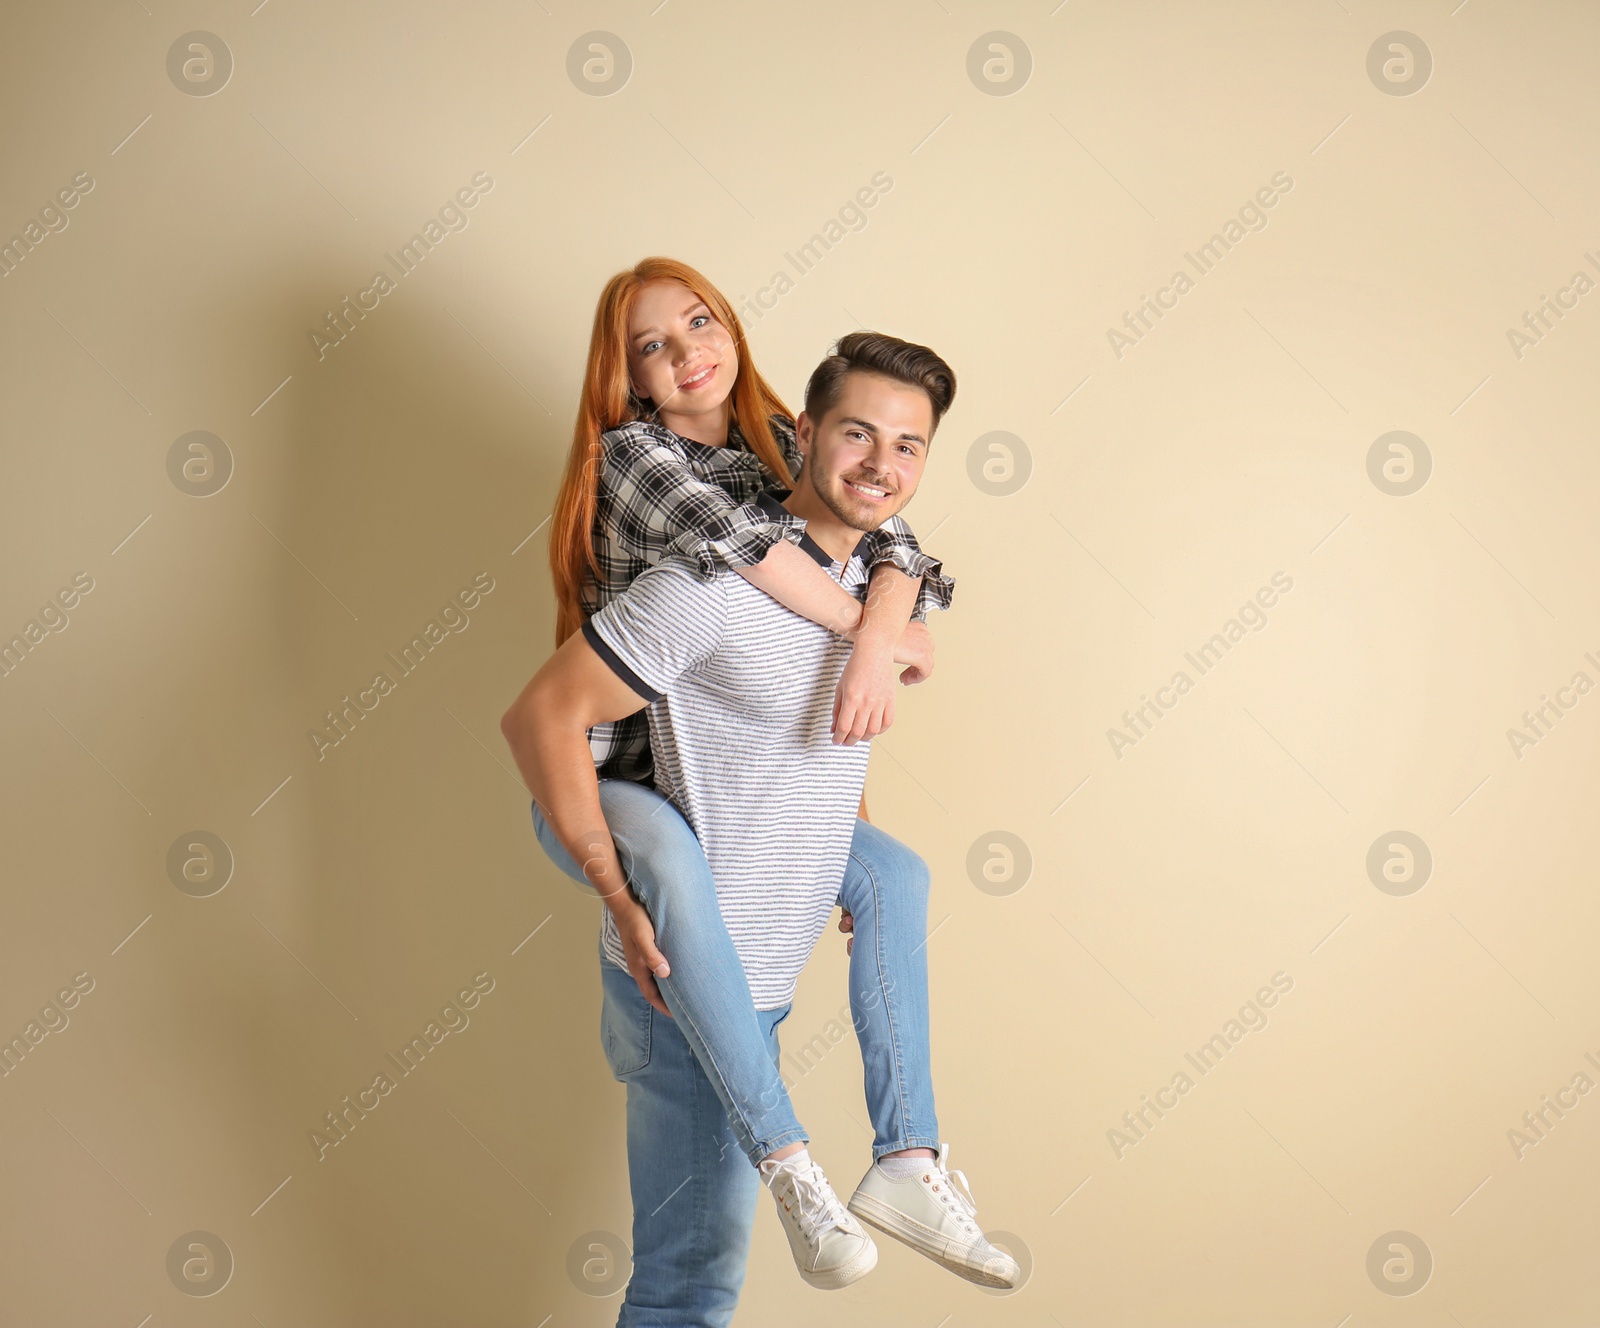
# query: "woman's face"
679,356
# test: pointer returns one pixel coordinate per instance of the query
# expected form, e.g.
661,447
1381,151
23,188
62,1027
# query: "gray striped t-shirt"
741,719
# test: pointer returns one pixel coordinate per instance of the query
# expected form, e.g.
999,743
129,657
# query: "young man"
740,691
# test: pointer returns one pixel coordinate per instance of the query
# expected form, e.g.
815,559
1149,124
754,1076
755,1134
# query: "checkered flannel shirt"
661,493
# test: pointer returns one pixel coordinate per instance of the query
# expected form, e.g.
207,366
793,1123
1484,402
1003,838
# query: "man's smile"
871,492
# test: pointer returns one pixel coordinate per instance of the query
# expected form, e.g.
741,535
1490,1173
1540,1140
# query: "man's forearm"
554,758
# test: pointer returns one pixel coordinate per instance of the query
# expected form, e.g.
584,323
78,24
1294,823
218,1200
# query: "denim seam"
753,1148
888,1009
911,1141
699,1184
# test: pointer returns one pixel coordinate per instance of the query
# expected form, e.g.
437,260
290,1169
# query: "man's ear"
802,434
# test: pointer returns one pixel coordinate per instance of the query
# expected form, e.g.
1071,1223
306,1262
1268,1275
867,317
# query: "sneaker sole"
925,1241
834,1279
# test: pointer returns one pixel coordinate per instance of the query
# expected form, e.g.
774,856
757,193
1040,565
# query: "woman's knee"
914,873
879,861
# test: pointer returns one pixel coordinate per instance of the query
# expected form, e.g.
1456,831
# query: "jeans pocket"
625,1024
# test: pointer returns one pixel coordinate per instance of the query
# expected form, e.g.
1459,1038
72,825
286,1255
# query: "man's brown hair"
879,353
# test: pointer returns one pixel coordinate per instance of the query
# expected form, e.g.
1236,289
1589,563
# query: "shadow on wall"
398,868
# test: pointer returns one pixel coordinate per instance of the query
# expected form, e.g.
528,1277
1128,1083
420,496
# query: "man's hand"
847,923
645,962
915,648
863,703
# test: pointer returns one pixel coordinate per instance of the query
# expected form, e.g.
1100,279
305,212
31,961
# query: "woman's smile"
698,379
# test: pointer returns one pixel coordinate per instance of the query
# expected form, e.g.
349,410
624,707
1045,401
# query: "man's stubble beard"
835,503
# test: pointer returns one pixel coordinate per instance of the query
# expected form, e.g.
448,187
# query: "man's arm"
546,729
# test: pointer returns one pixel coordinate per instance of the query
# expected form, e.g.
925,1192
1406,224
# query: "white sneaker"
934,1213
831,1249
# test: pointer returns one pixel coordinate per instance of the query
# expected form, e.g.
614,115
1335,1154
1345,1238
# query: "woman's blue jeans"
885,889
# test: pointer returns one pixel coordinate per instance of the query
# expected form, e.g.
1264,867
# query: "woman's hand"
847,923
863,703
645,962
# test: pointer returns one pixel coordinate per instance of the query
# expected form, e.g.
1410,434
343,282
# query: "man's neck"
833,537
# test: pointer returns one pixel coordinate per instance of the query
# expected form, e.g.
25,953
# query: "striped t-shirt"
741,721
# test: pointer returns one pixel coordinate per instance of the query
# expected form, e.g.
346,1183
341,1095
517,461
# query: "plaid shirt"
660,493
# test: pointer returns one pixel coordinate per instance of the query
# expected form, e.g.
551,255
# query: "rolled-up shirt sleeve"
663,506
893,543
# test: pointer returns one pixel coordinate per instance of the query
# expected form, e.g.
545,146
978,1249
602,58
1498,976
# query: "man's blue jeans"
694,1195
704,1085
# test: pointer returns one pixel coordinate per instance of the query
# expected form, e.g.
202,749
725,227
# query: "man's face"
865,457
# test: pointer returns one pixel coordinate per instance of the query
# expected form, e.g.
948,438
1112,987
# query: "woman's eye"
648,347
699,320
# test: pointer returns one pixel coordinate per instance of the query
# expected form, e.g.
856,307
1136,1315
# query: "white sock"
899,1168
797,1159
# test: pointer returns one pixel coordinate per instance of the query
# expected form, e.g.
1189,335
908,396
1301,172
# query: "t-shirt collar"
771,502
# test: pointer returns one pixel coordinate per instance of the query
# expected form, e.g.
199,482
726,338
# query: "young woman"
677,434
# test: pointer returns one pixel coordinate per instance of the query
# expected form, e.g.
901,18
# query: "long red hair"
606,402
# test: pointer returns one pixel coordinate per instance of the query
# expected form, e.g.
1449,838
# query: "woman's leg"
885,890
706,991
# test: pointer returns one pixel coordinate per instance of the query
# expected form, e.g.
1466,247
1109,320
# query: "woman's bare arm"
863,703
798,582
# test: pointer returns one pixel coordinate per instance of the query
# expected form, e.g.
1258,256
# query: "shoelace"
816,1205
956,1183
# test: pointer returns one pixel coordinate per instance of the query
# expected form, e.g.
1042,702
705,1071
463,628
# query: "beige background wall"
1138,900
